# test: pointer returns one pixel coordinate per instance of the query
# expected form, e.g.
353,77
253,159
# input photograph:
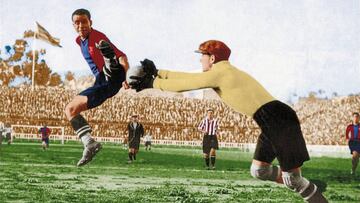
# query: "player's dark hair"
81,11
356,114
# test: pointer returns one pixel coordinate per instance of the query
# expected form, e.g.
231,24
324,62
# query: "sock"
130,156
307,189
213,160
85,139
207,161
354,164
82,128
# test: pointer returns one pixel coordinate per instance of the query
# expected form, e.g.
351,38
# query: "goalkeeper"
281,135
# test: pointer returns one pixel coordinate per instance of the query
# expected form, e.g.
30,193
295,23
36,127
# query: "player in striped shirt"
353,137
209,127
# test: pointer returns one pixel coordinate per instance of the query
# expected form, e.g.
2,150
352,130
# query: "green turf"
165,174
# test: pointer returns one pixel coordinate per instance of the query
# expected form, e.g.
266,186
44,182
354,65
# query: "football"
134,71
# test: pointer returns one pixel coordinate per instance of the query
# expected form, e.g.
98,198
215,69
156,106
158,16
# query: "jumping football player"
109,66
281,135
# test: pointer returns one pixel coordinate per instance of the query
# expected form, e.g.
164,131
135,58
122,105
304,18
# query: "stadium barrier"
314,150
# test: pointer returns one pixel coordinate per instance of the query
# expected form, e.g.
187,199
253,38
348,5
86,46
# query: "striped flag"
44,35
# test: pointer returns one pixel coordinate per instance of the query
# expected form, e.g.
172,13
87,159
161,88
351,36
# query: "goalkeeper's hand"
147,80
149,67
142,82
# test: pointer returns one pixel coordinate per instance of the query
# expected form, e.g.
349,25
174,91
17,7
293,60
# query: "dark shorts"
134,143
46,140
102,89
354,145
281,136
209,141
8,136
148,143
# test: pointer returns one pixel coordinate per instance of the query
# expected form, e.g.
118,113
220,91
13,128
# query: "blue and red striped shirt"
93,55
352,132
45,132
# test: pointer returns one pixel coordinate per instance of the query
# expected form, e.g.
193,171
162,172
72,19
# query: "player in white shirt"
147,140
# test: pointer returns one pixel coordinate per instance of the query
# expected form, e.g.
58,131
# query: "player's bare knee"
70,111
268,172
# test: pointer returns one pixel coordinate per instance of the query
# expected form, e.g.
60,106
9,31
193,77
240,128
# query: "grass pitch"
164,174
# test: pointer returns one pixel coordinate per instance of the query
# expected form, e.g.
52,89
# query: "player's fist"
149,67
125,85
143,76
139,83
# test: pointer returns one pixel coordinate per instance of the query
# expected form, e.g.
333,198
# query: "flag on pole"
43,34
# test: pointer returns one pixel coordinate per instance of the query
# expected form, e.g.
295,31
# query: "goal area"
31,132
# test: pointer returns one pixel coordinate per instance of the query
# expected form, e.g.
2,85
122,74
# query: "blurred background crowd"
170,118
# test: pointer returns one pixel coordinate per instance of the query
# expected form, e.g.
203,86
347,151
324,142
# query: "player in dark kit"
45,134
353,137
281,135
109,66
136,130
209,127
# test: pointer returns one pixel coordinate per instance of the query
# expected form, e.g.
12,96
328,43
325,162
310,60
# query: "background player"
353,138
147,140
208,127
281,135
45,134
136,130
7,133
108,64
2,132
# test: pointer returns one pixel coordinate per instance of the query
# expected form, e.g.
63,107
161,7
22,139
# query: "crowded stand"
170,118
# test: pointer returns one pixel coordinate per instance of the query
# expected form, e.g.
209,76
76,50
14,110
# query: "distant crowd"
176,118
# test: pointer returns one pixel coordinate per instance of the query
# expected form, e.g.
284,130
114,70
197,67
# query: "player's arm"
180,81
347,132
123,60
217,127
166,74
142,130
177,82
201,126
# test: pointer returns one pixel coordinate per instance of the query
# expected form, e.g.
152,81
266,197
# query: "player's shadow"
320,184
191,161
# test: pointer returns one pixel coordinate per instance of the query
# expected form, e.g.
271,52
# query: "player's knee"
69,109
72,110
269,172
356,154
294,181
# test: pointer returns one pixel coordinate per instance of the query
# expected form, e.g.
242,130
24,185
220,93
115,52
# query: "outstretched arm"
179,81
166,74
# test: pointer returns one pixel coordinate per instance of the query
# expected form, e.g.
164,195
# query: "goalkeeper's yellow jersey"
236,88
